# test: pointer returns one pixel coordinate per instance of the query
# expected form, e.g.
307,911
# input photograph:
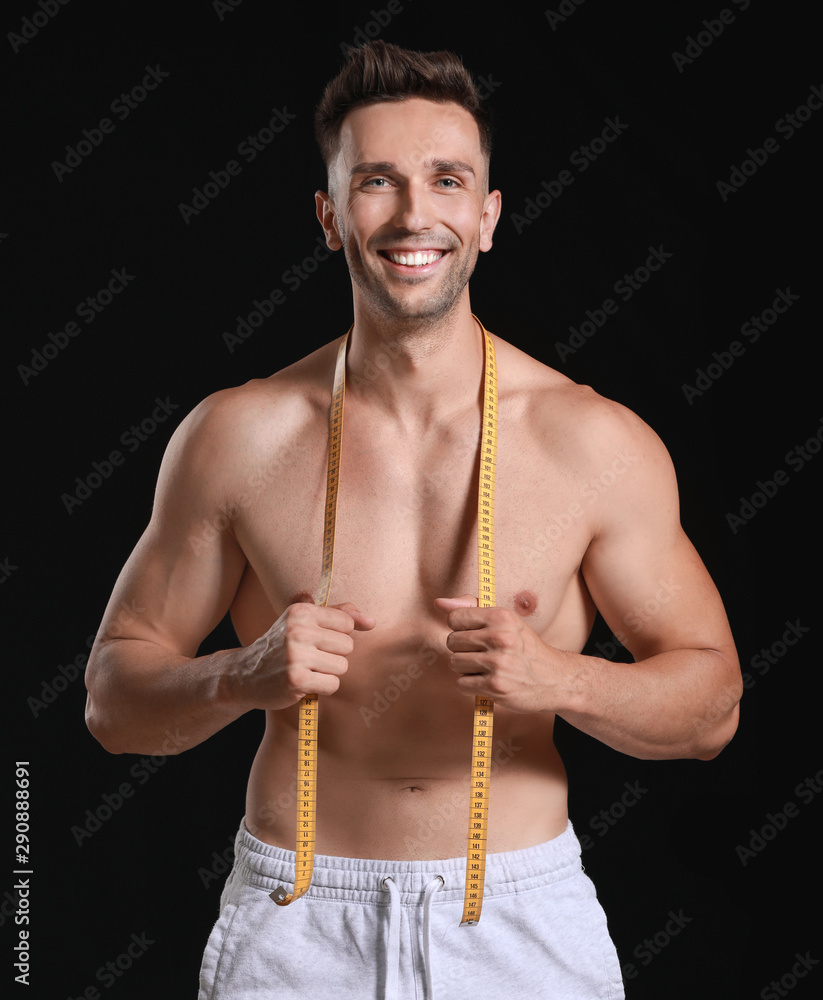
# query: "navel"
525,603
413,785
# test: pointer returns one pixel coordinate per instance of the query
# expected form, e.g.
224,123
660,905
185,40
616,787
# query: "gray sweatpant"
391,929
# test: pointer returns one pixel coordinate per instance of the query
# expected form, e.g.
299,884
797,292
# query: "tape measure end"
278,895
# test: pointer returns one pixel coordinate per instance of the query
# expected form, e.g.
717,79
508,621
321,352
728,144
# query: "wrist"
578,677
232,689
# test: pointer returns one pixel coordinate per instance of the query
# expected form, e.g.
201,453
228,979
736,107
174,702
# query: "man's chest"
406,533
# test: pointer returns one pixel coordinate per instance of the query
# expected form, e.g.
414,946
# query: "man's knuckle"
331,684
503,638
300,611
294,633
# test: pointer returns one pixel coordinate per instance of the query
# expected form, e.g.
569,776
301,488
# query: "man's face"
408,203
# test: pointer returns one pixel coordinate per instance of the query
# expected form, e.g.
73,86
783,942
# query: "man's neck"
418,371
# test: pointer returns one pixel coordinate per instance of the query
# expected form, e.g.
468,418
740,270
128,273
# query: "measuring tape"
309,705
483,707
486,598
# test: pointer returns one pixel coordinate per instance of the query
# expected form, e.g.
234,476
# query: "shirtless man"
409,175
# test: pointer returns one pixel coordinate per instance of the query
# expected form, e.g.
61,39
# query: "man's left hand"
497,655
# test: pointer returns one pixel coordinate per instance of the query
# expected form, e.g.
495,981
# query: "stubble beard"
434,308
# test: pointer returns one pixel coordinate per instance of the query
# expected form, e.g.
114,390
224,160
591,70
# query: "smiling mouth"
417,258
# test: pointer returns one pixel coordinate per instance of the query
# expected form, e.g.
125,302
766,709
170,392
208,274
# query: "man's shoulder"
559,408
291,397
530,383
238,427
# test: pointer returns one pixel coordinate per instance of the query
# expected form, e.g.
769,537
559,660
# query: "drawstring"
393,951
428,895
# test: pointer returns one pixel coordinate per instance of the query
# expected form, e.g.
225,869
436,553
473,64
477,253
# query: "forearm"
681,703
143,698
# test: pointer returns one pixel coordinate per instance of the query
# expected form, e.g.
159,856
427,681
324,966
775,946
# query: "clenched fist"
304,652
497,655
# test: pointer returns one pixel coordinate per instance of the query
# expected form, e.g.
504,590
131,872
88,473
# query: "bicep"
182,576
656,600
644,575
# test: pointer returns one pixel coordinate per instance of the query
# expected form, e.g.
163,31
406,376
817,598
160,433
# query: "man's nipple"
525,603
301,597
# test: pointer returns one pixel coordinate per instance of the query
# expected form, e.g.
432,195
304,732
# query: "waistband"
361,879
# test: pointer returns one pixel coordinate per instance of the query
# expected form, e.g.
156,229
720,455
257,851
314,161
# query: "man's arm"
680,696
144,678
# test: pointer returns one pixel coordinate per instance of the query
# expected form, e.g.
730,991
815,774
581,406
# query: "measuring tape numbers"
483,707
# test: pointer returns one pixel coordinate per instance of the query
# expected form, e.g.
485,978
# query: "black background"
553,83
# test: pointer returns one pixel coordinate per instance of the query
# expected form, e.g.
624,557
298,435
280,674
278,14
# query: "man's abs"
394,780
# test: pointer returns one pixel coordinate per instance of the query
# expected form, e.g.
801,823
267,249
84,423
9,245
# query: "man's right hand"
304,652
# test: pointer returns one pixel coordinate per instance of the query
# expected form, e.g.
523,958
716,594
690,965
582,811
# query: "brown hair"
379,71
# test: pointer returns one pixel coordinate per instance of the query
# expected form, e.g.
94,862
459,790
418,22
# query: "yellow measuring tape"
486,598
309,706
483,708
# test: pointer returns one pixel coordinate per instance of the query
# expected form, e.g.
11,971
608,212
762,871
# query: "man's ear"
488,219
327,214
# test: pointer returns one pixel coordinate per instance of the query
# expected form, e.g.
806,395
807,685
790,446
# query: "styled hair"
379,71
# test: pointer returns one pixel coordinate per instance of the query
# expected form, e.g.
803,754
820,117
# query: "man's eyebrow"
450,167
376,167
436,166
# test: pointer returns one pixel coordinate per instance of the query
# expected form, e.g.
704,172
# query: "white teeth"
414,259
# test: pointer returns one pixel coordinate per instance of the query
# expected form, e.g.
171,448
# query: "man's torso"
394,741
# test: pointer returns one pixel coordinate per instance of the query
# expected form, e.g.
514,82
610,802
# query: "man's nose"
414,210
